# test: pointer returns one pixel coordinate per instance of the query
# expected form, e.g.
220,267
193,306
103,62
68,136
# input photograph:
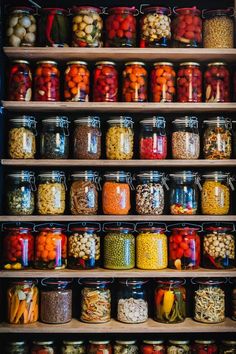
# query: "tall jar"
47,81
153,347
125,347
19,347
47,347
105,82
19,85
132,304
178,347
228,347
54,138
77,81
99,346
217,82
134,82
189,83
163,82
201,346
233,299
73,347
87,138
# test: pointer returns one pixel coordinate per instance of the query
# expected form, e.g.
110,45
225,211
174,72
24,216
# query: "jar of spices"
20,196
73,347
132,305
95,295
47,81
233,299
228,347
21,27
217,82
178,347
19,85
51,193
105,82
125,347
47,347
134,82
151,246
96,347
185,139
84,246
153,347
19,347
189,83
87,26
217,138
22,302
54,138
77,80
204,346
163,88
119,246
84,192
116,198
87,138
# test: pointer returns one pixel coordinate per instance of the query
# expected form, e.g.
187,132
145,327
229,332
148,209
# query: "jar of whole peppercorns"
189,83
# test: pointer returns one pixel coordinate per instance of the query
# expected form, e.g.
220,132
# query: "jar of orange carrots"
76,83
163,82
134,87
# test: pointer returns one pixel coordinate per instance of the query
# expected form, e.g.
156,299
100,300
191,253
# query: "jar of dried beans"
134,82
217,82
47,81
105,82
153,347
201,346
19,86
163,88
76,85
189,83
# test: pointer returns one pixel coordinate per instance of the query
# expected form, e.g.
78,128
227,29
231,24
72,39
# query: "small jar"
19,347
87,26
163,88
98,347
170,301
132,305
204,347
51,193
233,299
153,347
47,81
20,196
217,83
185,139
189,83
119,246
105,82
73,347
54,138
87,138
21,27
134,82
19,86
120,27
47,347
187,27
95,295
228,347
77,81
22,295
84,193
125,347
178,347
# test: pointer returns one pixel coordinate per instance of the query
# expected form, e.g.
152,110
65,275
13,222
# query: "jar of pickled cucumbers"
99,346
19,347
134,82
178,347
105,82
163,87
42,346
153,347
47,81
19,85
125,347
77,81
73,347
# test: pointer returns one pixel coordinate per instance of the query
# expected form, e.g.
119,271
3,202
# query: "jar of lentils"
19,86
105,82
189,83
217,82
125,347
76,84
163,88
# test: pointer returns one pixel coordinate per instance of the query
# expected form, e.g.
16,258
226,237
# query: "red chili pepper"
213,261
50,20
142,43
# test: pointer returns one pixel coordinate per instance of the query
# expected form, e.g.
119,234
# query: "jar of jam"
19,347
134,82
73,347
153,347
125,347
98,347
204,347
217,82
163,87
233,299
47,347
47,81
19,86
105,82
189,83
77,81
228,347
178,347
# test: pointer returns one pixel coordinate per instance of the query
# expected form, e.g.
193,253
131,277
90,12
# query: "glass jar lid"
122,9
218,12
96,282
150,227
216,175
157,9
118,226
37,342
84,227
118,176
22,9
46,62
105,62
189,63
154,342
56,283
122,121
21,62
163,63
187,10
187,121
218,121
93,121
77,9
25,121
217,63
87,175
22,175
99,342
152,176
59,121
229,342
133,281
73,342
219,227
126,342
155,122
135,63
77,62
14,344
203,341
171,282
52,174
209,281
179,342
186,176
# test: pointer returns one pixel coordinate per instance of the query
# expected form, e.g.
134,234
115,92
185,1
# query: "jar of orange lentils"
134,86
163,82
76,83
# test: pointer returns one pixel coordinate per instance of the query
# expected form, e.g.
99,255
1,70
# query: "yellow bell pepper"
169,298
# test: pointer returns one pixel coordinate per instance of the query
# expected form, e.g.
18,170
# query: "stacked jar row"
187,84
120,27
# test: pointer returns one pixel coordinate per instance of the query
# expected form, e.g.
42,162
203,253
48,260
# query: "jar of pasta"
134,82
153,347
217,138
132,304
116,198
47,81
47,347
163,88
87,138
217,83
178,347
227,347
204,346
51,193
19,347
76,84
95,295
105,82
189,83
151,246
73,347
99,346
19,85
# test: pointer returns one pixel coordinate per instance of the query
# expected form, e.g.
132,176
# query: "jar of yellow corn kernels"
151,246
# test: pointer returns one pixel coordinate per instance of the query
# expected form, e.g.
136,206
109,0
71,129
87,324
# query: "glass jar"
20,196
95,295
151,246
132,305
47,81
189,83
19,347
84,193
119,246
51,193
120,138
217,82
153,347
84,246
125,347
21,27
233,299
228,347
184,193
170,301
234,86
116,195
47,347
134,82
77,80
54,28
22,302
98,347
54,138
178,347
155,27
19,85
185,139
163,86
56,301
73,347
217,138
187,27
87,27
105,82
87,138
121,27
204,347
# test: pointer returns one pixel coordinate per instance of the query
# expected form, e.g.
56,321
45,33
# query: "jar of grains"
56,301
134,82
132,305
217,82
87,138
228,347
233,299
19,85
98,347
73,347
162,78
125,347
151,246
119,246
47,347
189,83
76,85
105,82
185,140
178,347
47,81
153,347
19,347
201,346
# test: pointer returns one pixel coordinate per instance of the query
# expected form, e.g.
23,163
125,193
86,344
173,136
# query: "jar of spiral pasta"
153,347
73,347
125,347
99,346
228,347
178,347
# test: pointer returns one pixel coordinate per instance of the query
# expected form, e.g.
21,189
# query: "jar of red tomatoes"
187,27
134,82
153,347
202,346
163,82
19,81
47,81
121,27
217,82
76,84
189,83
39,347
105,82
98,347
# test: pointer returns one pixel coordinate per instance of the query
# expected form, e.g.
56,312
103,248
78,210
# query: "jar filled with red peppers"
202,346
163,82
153,347
189,83
47,81
76,84
19,81
217,82
134,84
98,347
43,347
105,82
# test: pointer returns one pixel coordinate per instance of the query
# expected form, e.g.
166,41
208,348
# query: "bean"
119,251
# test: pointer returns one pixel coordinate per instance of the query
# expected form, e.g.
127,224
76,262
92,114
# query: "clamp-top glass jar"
87,138
134,82
105,82
76,85
19,86
47,81
217,82
189,83
163,82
